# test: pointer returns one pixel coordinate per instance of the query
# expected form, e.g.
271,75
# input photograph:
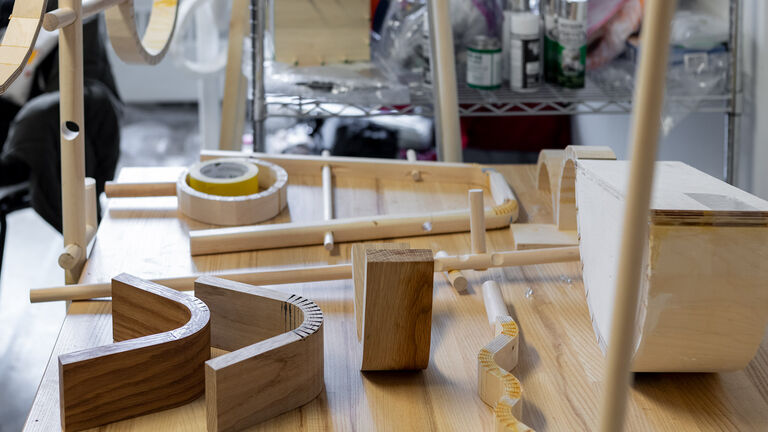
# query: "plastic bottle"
572,43
525,52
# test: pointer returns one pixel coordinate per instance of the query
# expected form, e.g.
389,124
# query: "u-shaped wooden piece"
152,47
162,340
276,363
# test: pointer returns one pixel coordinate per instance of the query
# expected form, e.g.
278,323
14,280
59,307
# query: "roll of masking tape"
225,177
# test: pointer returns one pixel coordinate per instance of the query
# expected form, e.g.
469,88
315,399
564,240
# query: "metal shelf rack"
549,100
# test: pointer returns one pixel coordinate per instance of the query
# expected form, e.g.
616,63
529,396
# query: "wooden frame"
276,358
153,45
162,340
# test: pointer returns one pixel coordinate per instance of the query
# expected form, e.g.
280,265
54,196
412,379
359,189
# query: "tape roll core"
224,177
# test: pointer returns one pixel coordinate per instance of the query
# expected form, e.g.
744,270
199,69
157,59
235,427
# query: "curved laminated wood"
496,386
19,40
152,47
276,363
162,340
237,210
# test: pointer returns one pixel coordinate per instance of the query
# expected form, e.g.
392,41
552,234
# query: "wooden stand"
162,340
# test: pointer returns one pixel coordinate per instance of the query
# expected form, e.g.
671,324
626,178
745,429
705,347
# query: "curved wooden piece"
19,39
276,363
496,385
237,210
151,48
162,341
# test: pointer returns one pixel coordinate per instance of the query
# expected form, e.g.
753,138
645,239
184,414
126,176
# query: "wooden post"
72,127
235,84
477,221
494,302
327,201
446,93
649,98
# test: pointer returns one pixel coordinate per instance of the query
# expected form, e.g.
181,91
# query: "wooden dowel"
649,98
455,277
72,130
258,237
138,190
70,257
327,201
186,283
508,259
320,273
477,221
64,16
494,302
410,155
91,209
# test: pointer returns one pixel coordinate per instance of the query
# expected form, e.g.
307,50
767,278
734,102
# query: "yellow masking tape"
224,177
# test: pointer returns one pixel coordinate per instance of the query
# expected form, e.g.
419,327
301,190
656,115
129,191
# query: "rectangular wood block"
397,309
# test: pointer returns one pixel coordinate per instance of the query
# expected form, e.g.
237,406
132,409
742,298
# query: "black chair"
12,198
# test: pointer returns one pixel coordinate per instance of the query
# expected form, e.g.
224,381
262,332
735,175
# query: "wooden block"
703,302
358,276
539,236
276,363
397,309
162,341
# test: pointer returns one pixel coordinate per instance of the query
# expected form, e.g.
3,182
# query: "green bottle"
572,43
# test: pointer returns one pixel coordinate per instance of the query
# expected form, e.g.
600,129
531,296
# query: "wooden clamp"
276,358
496,386
162,340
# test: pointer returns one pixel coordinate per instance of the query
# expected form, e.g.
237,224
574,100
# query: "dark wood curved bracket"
162,340
276,363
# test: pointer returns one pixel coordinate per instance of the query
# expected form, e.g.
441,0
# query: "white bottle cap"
525,23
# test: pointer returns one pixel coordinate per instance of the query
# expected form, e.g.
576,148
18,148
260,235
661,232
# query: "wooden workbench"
560,364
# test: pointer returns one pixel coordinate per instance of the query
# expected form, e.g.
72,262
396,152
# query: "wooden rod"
65,16
477,221
258,237
444,76
455,277
91,207
327,201
70,257
508,259
649,98
494,302
410,155
137,190
72,130
186,283
319,273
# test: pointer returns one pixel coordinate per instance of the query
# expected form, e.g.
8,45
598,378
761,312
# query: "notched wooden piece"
276,363
162,340
496,385
397,309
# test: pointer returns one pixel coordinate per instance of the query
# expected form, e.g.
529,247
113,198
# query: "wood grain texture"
276,363
19,39
358,276
153,45
318,32
397,309
539,236
560,366
162,339
703,303
237,210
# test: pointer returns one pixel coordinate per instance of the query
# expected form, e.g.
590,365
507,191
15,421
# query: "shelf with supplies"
547,100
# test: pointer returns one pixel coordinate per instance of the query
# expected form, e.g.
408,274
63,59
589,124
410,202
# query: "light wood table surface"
561,366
